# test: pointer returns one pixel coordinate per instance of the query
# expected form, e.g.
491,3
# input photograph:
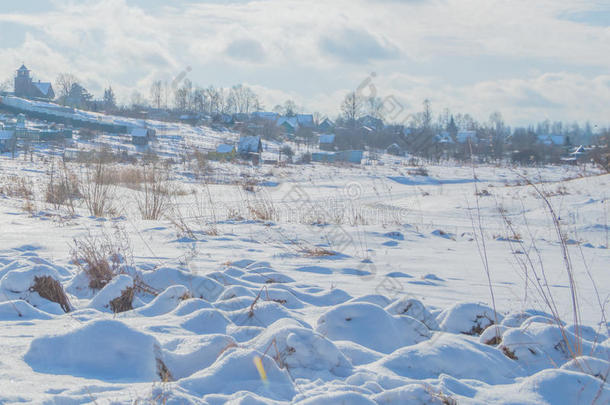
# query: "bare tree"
137,100
109,99
374,106
212,100
243,100
224,104
64,84
351,108
199,100
6,85
290,108
427,115
183,96
156,94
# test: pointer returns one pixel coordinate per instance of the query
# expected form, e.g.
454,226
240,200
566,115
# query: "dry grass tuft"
124,302
186,296
317,252
262,210
494,341
164,374
17,187
49,288
508,353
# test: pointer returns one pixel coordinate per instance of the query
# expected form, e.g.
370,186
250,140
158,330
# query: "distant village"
34,113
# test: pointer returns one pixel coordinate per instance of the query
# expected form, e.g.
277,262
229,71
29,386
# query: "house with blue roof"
327,142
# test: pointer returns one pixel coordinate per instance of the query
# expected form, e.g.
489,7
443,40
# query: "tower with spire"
25,87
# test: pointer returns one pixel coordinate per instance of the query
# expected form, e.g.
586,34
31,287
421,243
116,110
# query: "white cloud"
522,58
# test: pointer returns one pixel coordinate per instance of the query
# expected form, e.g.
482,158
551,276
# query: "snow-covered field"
360,285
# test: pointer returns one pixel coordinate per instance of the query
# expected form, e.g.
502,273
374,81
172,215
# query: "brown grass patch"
186,296
49,288
317,252
509,353
124,302
494,341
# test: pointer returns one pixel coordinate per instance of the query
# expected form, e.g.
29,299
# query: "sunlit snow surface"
392,317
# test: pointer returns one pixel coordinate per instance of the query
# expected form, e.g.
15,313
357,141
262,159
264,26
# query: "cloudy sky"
530,60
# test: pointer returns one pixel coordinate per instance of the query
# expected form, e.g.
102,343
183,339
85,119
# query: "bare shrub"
532,265
262,208
17,187
105,256
155,198
62,188
28,206
49,288
97,189
102,257
197,217
182,224
201,163
128,176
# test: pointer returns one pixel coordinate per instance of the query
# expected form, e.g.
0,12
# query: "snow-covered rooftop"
139,132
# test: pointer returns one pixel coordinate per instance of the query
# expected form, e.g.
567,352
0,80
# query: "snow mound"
492,335
371,326
409,394
235,371
467,317
16,284
587,332
357,354
325,298
302,350
200,286
193,353
206,321
455,355
538,346
284,297
264,314
589,365
351,398
549,387
415,309
236,291
516,319
106,350
112,290
20,310
376,299
189,306
234,304
165,302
